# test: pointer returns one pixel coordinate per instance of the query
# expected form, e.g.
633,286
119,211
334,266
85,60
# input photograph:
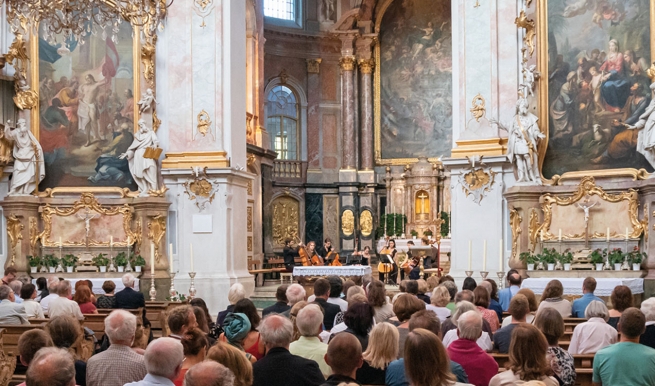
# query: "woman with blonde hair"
233,359
439,300
527,359
552,298
382,349
426,360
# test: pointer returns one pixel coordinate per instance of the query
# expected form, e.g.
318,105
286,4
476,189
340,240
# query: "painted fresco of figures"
598,55
86,95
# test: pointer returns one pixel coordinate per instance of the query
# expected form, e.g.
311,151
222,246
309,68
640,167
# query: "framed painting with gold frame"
593,63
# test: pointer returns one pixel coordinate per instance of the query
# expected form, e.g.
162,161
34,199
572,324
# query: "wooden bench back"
153,313
13,332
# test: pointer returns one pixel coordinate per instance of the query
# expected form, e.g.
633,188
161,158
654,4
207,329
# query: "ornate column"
347,64
314,148
366,67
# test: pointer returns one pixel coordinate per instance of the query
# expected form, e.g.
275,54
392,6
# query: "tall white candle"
111,241
560,234
61,243
484,256
152,259
627,236
470,252
542,235
128,241
608,234
170,257
500,264
191,245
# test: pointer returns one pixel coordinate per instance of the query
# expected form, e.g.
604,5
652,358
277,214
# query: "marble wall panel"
331,219
314,218
330,76
295,67
477,51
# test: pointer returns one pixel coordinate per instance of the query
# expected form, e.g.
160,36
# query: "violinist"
434,256
314,257
289,253
391,251
408,261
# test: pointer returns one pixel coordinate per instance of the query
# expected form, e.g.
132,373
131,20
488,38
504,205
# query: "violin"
335,259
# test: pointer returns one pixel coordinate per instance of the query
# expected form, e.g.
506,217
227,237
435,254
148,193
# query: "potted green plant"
548,257
428,233
597,258
565,259
529,259
101,262
137,262
615,258
414,233
34,262
51,262
177,298
121,261
69,262
636,257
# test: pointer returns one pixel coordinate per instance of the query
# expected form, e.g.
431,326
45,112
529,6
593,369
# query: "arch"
296,87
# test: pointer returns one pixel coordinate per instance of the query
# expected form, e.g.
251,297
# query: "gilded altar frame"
543,105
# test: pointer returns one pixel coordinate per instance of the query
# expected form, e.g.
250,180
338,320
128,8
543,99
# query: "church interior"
209,148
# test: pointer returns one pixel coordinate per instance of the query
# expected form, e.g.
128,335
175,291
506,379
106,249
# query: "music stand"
353,259
386,259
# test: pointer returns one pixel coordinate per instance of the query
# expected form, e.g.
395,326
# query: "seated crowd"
344,334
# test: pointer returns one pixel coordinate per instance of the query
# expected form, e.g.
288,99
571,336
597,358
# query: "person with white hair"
310,324
102,369
236,293
478,365
295,293
648,337
484,341
10,312
279,367
595,333
51,366
53,282
128,298
163,359
16,286
63,305
209,373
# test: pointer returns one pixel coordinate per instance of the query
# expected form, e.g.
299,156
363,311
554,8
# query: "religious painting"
414,81
87,110
598,53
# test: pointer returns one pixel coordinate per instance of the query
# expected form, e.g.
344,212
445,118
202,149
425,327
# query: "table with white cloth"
342,271
97,283
573,286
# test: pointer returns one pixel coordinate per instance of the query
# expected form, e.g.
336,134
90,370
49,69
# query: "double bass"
304,256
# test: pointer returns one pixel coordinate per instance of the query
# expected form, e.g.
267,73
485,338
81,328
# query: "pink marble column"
348,113
366,67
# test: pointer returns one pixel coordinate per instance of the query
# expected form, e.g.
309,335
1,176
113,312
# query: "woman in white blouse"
439,299
552,298
595,333
483,341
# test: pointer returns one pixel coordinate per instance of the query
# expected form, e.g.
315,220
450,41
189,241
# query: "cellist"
314,257
391,251
289,253
325,250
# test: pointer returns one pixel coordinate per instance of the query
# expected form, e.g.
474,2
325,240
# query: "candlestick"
470,253
484,256
484,274
172,291
542,235
501,277
192,288
153,291
111,241
170,257
500,254
191,245
468,273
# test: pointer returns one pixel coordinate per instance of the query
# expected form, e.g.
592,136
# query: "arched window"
282,122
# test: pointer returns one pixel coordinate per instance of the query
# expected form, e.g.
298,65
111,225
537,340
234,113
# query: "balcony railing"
290,171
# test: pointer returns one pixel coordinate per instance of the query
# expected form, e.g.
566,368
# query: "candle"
111,241
470,252
542,235
608,234
500,264
484,256
128,241
170,257
152,259
560,235
191,245
61,244
626,234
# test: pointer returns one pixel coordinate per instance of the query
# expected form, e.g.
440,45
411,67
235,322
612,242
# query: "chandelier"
74,20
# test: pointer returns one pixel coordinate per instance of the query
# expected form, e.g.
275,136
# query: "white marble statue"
27,155
144,170
147,101
646,136
524,134
530,75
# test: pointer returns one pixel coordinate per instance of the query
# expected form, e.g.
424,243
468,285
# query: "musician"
314,257
326,248
365,255
433,258
391,251
409,259
289,253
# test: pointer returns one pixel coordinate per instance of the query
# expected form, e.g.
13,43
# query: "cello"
304,256
385,267
335,259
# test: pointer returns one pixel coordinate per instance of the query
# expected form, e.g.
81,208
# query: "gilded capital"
347,63
366,66
313,65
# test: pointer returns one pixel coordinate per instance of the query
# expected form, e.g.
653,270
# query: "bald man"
51,367
344,356
506,295
209,373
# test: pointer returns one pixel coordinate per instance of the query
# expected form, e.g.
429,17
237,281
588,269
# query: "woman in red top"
482,299
83,298
195,348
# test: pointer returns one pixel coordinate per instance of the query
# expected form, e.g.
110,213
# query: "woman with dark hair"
377,297
551,324
391,251
469,284
552,298
214,332
621,300
42,286
83,298
252,343
404,307
195,344
527,358
64,331
201,319
108,300
482,302
359,320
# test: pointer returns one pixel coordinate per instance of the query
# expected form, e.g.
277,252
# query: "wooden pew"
13,332
154,311
7,363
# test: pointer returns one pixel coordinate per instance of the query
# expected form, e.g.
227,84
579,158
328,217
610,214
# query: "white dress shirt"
45,302
152,380
591,336
483,341
33,309
63,306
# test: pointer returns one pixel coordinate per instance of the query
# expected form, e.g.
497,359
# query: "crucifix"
87,218
586,205
423,197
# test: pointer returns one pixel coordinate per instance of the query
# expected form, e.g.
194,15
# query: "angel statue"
146,102
143,169
524,134
530,75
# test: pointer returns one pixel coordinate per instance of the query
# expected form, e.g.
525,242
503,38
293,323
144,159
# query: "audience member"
281,305
252,343
336,286
322,292
492,288
377,297
295,293
83,299
595,333
648,309
452,291
16,286
627,362
448,324
580,305
62,305
484,341
356,294
201,320
235,360
469,284
194,345
309,322
359,319
32,308
411,287
128,298
532,306
108,300
42,287
344,356
53,283
279,367
209,374
163,359
382,350
527,358
518,308
552,298
65,331
551,324
180,320
236,293
433,282
120,328
10,275
293,316
439,300
10,312
506,295
89,285
29,343
51,367
482,298
422,289
404,307
426,361
402,290
346,286
479,366
236,327
621,300
213,329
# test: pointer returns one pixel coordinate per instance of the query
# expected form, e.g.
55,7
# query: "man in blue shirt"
580,305
506,295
